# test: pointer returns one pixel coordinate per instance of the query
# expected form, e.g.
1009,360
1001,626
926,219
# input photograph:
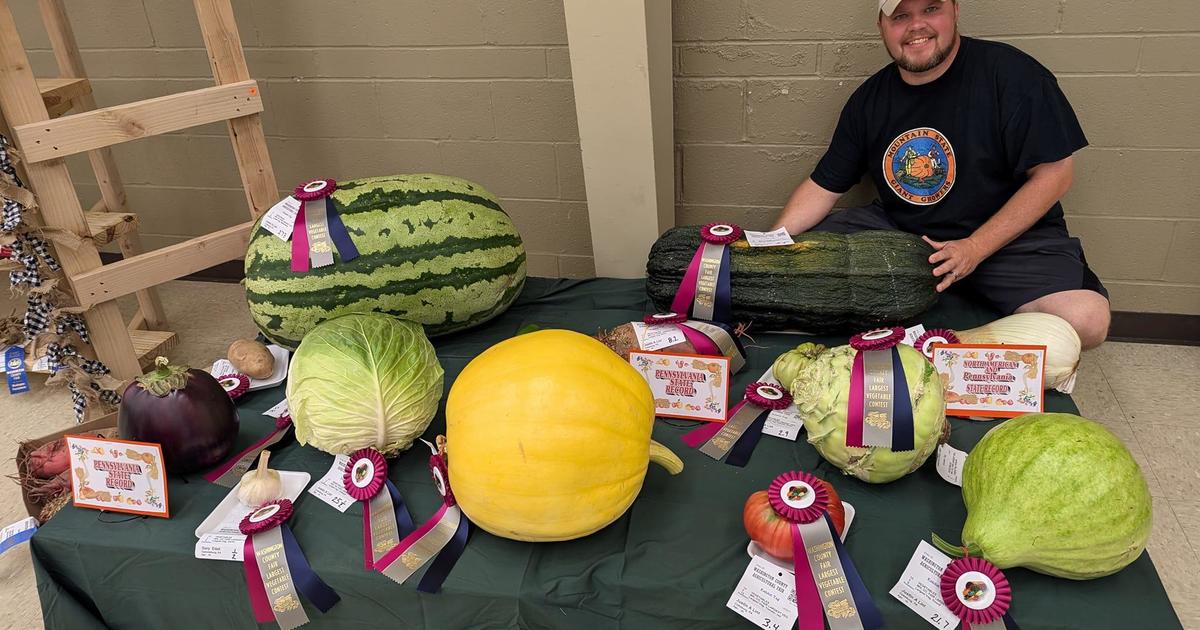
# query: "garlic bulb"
1039,329
260,485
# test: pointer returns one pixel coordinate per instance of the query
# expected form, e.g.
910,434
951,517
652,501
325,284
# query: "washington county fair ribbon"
235,384
318,228
277,572
444,535
879,410
385,516
741,432
925,342
978,594
705,290
230,473
708,338
828,587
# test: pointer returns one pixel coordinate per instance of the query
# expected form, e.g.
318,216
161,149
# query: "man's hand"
958,259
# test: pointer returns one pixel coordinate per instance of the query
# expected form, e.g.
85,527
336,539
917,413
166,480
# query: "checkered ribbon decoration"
71,321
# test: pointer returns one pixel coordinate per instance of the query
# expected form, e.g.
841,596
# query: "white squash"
1038,329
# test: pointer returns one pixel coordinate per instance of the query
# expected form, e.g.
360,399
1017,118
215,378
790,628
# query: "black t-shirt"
947,155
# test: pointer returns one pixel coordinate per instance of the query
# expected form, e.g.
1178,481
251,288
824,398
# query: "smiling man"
969,143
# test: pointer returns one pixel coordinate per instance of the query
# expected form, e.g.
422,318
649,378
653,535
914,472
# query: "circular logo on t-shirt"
919,166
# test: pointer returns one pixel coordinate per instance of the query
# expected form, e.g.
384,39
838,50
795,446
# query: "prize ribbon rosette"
925,342
738,436
978,594
318,228
712,339
442,538
230,473
879,409
385,516
235,384
705,291
277,572
828,587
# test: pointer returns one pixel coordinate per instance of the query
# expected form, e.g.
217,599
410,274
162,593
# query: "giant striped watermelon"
435,250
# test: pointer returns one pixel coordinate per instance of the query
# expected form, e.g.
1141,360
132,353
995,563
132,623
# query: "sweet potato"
49,459
623,340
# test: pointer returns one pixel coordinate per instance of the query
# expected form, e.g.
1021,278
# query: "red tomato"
772,532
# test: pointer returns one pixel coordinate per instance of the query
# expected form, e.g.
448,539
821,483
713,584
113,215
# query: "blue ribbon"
1010,623
305,579
723,301
14,365
437,573
404,520
17,539
867,611
337,232
902,413
740,454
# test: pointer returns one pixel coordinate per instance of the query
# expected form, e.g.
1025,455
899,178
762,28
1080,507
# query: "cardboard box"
105,424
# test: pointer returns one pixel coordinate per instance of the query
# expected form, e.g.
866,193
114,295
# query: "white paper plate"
754,550
280,373
230,510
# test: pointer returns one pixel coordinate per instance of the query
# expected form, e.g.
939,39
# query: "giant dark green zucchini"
824,283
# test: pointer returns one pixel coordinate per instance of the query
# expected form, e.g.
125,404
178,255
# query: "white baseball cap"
889,6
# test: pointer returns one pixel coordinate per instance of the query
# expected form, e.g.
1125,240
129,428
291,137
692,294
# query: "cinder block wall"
481,89
759,85
475,88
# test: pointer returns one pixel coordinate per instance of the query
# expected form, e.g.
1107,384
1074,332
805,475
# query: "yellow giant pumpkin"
548,437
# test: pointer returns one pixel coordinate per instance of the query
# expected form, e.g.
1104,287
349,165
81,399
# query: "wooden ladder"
34,109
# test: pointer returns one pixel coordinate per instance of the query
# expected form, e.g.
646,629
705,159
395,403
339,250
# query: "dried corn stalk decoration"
47,317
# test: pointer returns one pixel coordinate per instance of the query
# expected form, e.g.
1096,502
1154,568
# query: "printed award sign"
991,380
688,386
118,476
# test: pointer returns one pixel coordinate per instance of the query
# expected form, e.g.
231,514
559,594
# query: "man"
969,144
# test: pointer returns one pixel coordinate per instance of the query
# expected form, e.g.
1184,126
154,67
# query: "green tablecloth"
670,562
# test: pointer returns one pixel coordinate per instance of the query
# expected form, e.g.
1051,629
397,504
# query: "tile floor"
1120,385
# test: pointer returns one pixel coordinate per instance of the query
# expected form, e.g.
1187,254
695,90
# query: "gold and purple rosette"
441,539
736,439
385,516
713,339
277,573
230,473
828,587
977,592
705,292
235,384
318,229
879,409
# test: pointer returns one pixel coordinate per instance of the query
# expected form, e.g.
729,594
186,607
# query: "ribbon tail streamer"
810,612
745,445
854,410
254,584
306,580
902,413
230,473
299,243
868,613
404,519
682,303
337,231
698,436
432,581
723,304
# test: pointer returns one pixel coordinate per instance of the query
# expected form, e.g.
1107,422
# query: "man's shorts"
1034,265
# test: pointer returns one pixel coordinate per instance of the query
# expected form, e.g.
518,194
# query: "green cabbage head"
364,379
819,378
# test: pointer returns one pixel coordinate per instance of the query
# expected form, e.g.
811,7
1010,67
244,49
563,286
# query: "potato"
251,358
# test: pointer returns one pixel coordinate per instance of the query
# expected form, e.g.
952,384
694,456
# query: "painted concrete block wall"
481,89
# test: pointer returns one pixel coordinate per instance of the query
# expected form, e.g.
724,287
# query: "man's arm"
806,207
1046,184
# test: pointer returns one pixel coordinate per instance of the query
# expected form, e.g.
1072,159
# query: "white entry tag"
278,410
950,462
330,488
766,596
657,337
281,218
774,238
912,334
920,587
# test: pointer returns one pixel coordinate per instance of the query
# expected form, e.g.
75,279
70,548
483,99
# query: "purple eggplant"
184,410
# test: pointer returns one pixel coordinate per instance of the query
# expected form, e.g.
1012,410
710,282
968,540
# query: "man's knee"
1087,312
